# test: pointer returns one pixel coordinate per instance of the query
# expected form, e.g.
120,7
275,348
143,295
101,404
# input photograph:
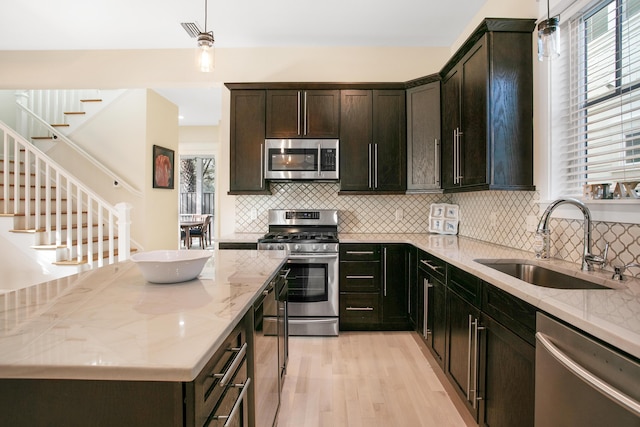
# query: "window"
197,185
596,133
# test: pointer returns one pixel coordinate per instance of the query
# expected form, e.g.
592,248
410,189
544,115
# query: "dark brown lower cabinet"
434,326
463,350
507,383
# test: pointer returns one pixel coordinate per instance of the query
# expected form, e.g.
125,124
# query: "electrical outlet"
493,220
532,223
254,214
399,214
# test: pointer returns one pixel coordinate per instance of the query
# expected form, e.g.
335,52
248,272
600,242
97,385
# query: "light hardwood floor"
364,379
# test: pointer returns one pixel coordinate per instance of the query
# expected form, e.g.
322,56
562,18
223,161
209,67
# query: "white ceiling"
155,24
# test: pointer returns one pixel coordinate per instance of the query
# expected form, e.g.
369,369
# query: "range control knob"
296,247
314,247
280,247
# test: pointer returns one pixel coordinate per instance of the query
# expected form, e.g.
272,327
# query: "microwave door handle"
263,165
319,160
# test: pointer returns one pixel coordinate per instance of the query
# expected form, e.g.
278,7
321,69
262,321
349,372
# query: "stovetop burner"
302,231
303,236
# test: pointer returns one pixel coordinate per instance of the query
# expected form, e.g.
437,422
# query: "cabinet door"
394,286
303,113
450,127
321,109
435,315
473,146
423,137
462,364
389,139
247,142
355,140
283,114
508,385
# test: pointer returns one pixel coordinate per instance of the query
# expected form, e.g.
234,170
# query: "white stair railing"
34,118
73,215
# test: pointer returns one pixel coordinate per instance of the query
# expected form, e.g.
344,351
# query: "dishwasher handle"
606,389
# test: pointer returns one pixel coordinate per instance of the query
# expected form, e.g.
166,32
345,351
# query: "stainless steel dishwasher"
266,371
582,382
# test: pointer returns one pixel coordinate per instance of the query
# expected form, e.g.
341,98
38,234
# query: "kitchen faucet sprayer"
542,245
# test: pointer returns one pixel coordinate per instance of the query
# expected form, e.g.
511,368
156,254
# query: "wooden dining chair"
202,232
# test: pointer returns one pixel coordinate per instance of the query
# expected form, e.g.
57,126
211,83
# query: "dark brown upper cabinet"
247,142
373,155
487,109
303,113
423,136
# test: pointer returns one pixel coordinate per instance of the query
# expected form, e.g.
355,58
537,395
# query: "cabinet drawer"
359,309
512,312
359,252
359,276
204,393
432,265
464,284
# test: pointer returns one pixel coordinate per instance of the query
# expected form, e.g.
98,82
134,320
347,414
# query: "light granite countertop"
110,324
612,315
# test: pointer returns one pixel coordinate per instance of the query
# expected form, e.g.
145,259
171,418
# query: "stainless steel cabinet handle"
242,351
409,293
455,156
319,160
263,165
360,277
376,166
299,94
611,392
306,113
477,329
360,252
385,270
436,162
425,323
460,176
236,405
370,171
435,268
469,357
359,308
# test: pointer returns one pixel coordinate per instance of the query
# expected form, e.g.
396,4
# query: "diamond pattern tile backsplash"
493,216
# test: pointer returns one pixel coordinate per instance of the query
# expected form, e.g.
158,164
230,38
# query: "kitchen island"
108,331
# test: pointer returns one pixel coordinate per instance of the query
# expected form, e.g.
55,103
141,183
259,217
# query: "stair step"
74,113
91,100
58,125
95,239
85,259
42,138
42,230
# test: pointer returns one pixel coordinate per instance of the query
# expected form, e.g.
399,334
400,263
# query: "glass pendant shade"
205,52
549,39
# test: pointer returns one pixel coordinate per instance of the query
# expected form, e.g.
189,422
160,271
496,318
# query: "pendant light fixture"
549,37
205,54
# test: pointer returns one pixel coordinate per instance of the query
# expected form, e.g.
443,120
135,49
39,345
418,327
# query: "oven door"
313,285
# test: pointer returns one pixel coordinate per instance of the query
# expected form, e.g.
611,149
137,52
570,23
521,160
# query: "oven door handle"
312,255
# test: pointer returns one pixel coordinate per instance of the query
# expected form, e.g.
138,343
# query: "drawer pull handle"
359,308
360,277
234,365
236,405
431,266
360,252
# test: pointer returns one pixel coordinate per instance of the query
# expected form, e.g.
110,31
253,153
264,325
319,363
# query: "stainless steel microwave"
298,159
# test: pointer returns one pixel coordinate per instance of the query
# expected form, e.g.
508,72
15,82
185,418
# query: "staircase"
54,214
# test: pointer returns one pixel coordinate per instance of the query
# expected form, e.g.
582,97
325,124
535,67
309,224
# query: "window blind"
596,131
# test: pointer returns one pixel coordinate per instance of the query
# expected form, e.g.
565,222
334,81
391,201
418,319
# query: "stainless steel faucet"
542,233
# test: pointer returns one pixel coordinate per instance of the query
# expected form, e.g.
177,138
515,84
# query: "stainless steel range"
311,237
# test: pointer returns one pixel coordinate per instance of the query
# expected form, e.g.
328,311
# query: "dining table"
186,226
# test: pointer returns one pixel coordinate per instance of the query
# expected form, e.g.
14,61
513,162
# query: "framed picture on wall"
163,161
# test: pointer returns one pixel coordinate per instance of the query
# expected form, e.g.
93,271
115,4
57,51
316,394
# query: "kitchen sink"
538,275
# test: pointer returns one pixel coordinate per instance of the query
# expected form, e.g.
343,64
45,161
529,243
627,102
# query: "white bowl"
171,266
